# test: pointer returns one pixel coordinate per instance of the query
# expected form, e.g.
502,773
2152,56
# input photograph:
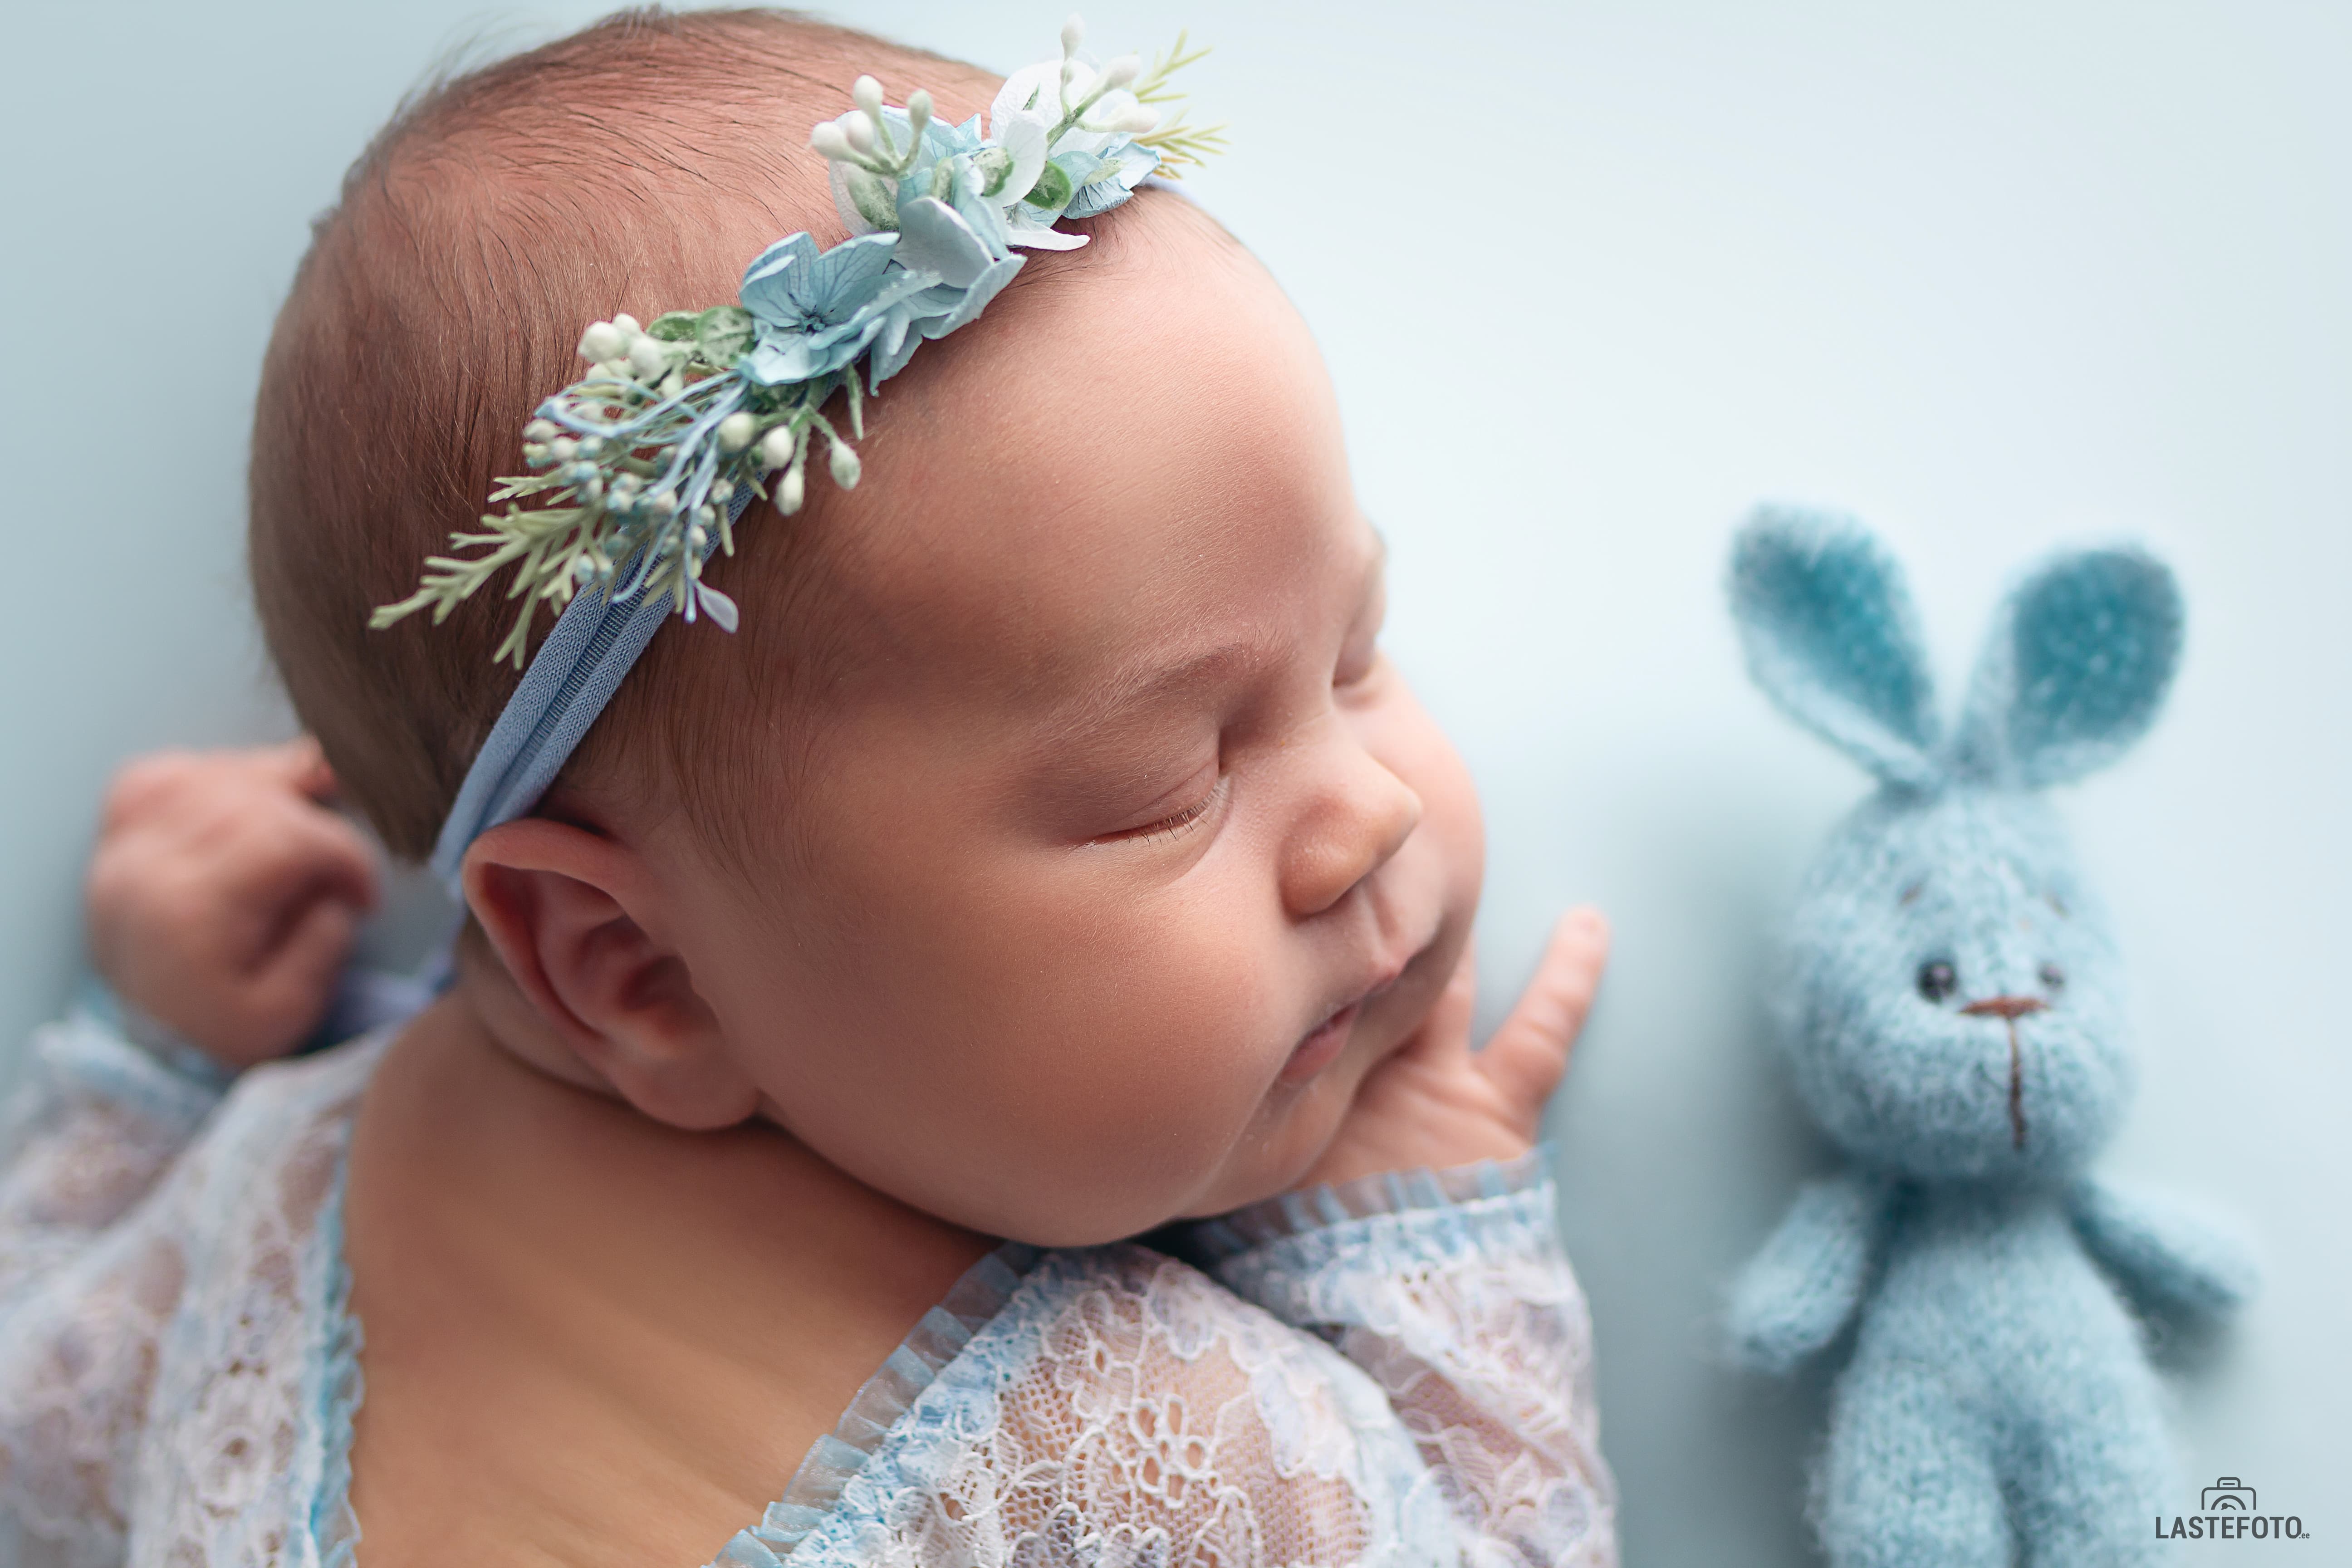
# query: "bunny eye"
1937,980
2054,979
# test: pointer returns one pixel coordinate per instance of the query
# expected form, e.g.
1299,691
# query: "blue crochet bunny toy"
1952,1007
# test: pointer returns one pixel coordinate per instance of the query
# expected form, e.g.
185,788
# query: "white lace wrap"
176,1371
1396,1371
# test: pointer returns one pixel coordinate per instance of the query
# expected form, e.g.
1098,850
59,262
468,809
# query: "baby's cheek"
1134,1070
1068,1048
1181,1054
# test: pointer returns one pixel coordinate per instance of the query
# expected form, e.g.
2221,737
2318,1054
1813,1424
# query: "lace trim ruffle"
97,1005
835,1458
1211,1241
334,1378
176,1090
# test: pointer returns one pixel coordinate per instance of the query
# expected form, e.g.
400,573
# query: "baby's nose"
2010,1007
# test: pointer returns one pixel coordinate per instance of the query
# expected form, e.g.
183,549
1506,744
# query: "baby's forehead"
1083,614
1134,467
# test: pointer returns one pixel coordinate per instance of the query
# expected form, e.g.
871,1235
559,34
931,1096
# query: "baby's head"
1051,849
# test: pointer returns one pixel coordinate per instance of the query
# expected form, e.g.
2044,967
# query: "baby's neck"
557,1292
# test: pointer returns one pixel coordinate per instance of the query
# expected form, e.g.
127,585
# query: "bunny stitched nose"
2010,1008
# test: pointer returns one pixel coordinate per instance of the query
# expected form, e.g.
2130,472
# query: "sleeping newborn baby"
1052,860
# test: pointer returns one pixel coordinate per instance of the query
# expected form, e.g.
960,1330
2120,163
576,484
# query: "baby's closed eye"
1175,812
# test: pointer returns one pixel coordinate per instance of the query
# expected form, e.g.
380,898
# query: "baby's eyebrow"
1114,702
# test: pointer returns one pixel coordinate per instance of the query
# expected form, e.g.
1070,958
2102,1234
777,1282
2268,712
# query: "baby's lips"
1321,1046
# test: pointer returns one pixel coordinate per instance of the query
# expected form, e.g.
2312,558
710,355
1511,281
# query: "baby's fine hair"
634,167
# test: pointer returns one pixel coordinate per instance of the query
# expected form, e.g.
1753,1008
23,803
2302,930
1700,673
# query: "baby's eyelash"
1172,827
1175,826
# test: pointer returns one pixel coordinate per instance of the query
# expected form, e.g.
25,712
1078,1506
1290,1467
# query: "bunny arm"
1799,1292
2173,1257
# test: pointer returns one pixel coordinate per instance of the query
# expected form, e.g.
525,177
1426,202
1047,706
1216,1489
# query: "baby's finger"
288,996
293,854
275,879
301,765
343,865
138,784
1528,1053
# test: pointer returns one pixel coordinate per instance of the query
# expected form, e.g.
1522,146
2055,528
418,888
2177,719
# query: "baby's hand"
1437,1102
224,896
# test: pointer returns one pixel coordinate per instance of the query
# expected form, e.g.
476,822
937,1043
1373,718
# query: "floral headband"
645,464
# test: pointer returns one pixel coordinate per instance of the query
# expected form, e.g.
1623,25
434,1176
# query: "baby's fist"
225,897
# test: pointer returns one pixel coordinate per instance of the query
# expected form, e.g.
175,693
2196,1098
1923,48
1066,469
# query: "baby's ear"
562,907
2077,665
1831,635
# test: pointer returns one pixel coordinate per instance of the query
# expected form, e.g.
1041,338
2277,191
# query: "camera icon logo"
2227,1495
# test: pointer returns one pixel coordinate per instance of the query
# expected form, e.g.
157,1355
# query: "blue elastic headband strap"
575,673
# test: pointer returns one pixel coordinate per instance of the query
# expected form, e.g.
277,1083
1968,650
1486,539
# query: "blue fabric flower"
964,273
1126,163
949,140
936,239
814,313
941,213
933,314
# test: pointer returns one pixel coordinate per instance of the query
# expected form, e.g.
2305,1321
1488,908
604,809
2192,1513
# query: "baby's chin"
1293,1128
1299,1119
1264,1172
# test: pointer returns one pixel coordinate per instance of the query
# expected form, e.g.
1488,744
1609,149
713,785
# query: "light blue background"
1592,279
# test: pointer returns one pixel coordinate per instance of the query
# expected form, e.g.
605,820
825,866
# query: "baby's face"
1122,853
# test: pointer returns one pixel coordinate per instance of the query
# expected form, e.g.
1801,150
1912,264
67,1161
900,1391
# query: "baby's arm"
1451,1290
2176,1259
221,901
1447,1283
94,1124
1796,1294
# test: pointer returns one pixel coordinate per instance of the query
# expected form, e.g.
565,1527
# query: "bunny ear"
2075,669
1830,637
